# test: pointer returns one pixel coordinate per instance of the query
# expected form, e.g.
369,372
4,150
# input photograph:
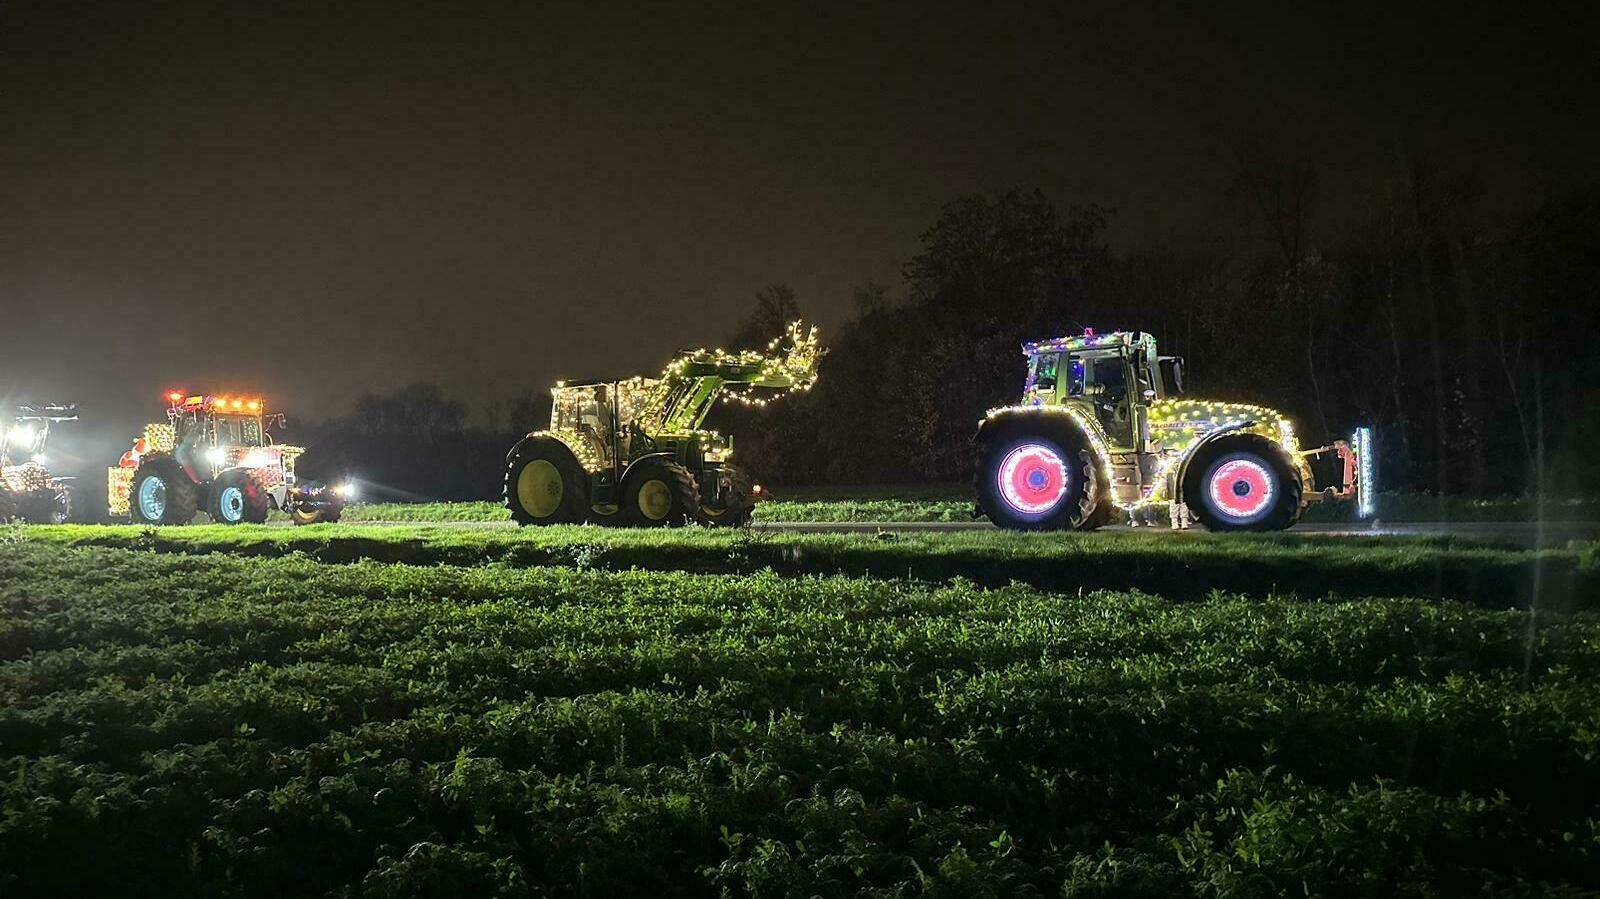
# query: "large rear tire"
1242,485
236,497
657,492
544,484
1035,475
735,507
162,493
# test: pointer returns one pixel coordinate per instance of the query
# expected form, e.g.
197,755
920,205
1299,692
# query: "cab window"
1044,373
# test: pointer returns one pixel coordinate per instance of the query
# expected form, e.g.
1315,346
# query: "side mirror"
1172,374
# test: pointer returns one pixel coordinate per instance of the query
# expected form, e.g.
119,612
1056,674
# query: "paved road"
1522,533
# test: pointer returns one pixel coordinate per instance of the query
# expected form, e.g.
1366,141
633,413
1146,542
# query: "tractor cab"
1112,377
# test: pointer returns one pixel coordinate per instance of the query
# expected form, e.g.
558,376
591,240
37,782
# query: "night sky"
312,201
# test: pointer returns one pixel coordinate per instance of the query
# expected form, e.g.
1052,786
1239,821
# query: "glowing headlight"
347,490
216,455
256,460
22,434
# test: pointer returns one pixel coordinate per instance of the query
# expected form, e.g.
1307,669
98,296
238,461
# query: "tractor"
634,452
214,453
1103,427
28,490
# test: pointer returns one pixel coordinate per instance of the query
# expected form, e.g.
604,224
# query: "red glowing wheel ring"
1032,479
1242,488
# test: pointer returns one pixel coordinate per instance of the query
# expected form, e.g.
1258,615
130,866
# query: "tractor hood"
1178,423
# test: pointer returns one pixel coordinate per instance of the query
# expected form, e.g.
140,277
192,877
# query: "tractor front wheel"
1038,479
236,497
45,506
657,492
1242,486
162,493
734,508
544,484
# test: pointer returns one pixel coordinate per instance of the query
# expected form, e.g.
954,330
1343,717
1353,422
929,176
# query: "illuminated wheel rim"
1032,479
230,503
655,500
539,488
152,498
1241,488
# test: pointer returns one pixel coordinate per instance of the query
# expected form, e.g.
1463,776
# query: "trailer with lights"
635,451
29,491
1103,428
215,454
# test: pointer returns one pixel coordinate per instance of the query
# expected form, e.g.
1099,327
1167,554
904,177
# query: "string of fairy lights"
787,365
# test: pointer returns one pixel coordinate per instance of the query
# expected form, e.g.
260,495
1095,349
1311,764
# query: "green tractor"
28,489
1103,428
634,451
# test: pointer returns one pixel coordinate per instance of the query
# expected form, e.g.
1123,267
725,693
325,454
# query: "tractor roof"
1088,340
219,405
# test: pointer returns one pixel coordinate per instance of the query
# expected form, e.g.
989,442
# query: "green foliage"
227,724
1188,566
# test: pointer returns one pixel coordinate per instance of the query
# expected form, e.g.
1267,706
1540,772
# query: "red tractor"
215,454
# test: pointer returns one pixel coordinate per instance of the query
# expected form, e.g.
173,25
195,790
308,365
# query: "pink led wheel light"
1032,479
1241,488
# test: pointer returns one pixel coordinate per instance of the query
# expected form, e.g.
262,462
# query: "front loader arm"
694,381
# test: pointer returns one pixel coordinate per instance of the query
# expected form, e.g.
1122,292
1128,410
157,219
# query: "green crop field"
348,711
954,503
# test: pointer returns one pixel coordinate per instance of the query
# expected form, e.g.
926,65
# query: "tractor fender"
670,457
1040,419
1230,433
539,437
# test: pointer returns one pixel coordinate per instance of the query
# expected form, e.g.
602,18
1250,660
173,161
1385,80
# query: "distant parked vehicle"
29,491
214,453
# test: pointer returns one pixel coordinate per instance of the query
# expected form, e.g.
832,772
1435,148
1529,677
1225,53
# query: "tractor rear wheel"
657,492
736,505
236,497
1242,486
1032,476
544,484
162,493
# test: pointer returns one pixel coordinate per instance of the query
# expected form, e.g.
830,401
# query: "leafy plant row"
1176,566
225,725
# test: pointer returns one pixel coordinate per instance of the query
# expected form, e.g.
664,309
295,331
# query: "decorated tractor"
28,490
1102,429
634,452
215,454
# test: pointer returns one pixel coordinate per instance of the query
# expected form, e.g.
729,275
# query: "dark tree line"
1465,343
